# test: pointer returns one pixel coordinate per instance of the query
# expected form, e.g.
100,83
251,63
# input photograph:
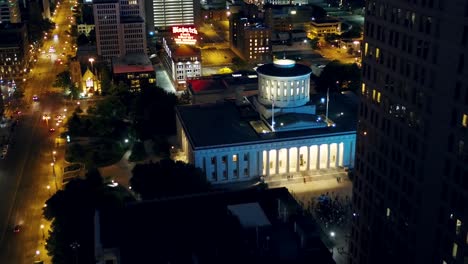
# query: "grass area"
98,153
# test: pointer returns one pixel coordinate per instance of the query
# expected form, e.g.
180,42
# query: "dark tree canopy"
71,211
338,76
167,178
154,113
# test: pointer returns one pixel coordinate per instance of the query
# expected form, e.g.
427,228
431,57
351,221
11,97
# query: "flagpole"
273,114
326,111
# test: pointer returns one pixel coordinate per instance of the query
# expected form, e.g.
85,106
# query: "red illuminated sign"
185,34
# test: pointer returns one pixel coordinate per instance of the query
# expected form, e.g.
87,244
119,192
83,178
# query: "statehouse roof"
272,69
226,124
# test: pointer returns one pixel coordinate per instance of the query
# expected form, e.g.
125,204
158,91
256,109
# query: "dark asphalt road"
26,171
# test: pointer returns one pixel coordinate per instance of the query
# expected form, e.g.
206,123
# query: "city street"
27,171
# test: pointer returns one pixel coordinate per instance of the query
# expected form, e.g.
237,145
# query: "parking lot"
217,57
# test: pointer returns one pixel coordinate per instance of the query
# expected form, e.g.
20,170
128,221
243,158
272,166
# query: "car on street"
51,130
35,98
17,229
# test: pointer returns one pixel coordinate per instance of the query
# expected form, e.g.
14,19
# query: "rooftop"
220,82
222,124
231,223
132,63
185,51
284,68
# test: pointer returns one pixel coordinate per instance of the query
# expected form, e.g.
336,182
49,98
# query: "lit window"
465,120
388,212
363,88
458,227
366,46
377,53
378,97
234,158
454,250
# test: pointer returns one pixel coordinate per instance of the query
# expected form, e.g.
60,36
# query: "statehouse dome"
284,82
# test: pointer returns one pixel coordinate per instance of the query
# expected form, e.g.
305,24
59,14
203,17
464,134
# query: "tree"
167,178
314,43
64,81
331,37
71,211
82,40
153,113
354,32
106,82
92,36
74,124
138,152
336,76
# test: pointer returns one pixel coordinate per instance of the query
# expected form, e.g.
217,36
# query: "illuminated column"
277,162
267,168
318,157
287,160
308,158
337,155
328,156
298,161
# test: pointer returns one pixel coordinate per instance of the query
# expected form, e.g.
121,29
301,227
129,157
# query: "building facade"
85,29
250,38
135,70
322,27
10,11
13,51
181,62
410,186
252,139
168,13
120,28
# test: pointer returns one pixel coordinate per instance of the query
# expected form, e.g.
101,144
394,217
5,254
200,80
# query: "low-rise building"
85,29
322,27
243,226
135,70
182,62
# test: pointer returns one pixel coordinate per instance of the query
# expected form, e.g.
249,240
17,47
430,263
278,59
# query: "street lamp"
91,60
48,188
42,228
55,176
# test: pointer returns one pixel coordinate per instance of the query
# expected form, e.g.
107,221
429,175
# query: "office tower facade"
250,38
168,13
9,11
120,27
410,188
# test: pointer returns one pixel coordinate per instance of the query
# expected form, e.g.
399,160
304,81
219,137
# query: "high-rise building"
120,27
166,13
9,11
410,188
